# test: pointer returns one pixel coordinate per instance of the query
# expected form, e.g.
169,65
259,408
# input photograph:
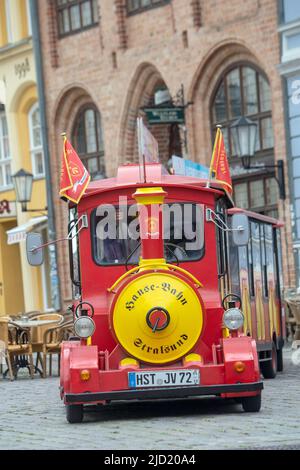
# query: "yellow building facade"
22,287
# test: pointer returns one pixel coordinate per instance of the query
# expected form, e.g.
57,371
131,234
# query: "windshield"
116,240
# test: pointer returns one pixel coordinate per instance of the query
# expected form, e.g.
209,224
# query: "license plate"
164,378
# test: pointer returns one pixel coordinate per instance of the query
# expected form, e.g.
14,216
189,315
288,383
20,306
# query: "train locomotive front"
157,330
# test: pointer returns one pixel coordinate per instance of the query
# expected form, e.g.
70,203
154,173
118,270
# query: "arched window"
36,143
244,91
88,141
5,158
168,135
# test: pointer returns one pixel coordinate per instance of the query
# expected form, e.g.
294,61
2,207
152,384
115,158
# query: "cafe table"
33,323
22,361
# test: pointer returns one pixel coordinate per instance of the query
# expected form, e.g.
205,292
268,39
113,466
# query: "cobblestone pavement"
32,417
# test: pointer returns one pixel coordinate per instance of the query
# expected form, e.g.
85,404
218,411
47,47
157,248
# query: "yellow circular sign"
157,318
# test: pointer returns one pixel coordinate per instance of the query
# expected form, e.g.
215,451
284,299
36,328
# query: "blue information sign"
189,168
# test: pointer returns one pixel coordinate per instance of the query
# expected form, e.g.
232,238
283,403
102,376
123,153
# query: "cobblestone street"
32,417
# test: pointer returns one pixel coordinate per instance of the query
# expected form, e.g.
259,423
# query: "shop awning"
18,234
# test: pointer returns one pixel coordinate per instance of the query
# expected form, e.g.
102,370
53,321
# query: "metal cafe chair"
33,314
38,333
293,320
17,348
52,340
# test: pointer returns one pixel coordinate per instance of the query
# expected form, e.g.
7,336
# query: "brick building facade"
102,65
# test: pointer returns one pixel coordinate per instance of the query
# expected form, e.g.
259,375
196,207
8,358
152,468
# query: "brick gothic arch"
202,88
141,90
66,108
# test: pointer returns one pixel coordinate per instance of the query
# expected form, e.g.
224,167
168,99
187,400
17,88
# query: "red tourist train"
188,307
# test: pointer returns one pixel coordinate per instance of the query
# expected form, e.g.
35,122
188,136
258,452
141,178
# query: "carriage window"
263,233
269,254
278,254
116,241
251,274
243,259
254,257
234,266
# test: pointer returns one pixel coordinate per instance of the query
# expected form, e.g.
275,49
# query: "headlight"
84,327
233,319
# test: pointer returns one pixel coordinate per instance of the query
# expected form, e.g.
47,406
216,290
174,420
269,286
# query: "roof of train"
129,175
257,216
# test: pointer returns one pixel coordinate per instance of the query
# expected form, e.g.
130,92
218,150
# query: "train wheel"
251,404
74,413
279,360
269,368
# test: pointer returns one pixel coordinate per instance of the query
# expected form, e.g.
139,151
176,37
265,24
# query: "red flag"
219,167
74,177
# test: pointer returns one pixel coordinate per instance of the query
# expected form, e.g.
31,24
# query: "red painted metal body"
102,359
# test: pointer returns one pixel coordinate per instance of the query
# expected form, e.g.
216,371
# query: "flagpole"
64,137
141,164
143,153
218,126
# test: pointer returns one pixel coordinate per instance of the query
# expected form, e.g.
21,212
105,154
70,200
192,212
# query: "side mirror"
35,255
240,229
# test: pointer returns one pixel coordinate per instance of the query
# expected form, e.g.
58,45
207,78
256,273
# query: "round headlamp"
84,327
233,319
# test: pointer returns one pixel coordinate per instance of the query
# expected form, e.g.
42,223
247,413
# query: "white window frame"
34,150
4,161
29,23
289,53
8,22
283,14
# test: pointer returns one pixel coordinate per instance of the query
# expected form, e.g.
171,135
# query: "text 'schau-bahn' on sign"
176,291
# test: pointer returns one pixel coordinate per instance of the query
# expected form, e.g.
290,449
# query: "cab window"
222,247
116,239
74,251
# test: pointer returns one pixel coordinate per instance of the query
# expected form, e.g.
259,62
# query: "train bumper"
220,378
162,393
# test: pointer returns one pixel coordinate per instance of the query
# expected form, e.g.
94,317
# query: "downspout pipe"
55,285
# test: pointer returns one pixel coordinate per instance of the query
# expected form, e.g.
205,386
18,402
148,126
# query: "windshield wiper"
131,254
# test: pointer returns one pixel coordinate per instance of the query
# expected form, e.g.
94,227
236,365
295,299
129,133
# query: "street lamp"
244,134
162,97
22,181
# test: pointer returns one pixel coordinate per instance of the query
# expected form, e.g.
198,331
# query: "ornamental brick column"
196,12
52,32
121,23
